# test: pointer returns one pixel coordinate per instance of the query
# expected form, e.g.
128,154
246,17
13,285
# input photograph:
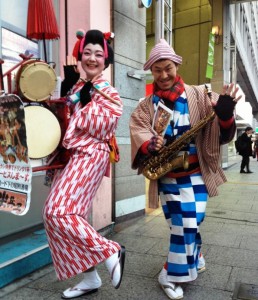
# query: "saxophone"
167,158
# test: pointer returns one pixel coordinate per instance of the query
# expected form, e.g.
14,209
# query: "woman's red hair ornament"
80,33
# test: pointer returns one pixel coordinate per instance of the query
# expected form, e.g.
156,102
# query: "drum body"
36,80
43,131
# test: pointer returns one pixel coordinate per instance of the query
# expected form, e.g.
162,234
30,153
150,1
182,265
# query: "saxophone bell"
181,161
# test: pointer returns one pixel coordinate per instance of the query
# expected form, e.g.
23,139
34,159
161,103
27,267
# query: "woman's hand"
71,75
71,61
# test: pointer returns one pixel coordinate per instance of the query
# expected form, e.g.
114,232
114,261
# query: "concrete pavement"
230,247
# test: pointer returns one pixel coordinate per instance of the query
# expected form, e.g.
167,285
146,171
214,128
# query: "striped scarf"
173,93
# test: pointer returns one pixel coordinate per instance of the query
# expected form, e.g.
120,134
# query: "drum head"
43,131
37,81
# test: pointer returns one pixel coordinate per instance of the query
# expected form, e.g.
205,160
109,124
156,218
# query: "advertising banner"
15,169
210,61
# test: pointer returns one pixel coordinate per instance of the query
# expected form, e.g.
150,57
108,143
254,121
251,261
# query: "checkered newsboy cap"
162,50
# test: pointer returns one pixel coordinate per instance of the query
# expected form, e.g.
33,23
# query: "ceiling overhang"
240,1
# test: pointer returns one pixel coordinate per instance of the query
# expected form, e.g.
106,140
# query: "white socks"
172,290
90,283
91,280
114,269
163,276
111,261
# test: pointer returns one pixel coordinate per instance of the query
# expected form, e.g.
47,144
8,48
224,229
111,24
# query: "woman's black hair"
94,37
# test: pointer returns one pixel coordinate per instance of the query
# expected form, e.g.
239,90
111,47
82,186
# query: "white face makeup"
93,60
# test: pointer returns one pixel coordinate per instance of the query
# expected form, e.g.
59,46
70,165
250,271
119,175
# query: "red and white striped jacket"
93,125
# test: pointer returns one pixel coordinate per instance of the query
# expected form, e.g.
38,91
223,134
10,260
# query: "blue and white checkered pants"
184,202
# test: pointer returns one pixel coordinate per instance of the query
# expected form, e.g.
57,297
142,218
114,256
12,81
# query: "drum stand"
50,103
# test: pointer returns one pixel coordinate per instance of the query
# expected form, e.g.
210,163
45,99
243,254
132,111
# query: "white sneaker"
201,264
172,290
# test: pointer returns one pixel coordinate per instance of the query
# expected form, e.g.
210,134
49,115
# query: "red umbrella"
41,23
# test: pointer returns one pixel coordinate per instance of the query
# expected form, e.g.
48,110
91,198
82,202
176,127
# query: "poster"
15,168
161,119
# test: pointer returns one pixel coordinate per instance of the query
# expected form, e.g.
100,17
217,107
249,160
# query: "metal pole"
66,30
234,75
162,19
168,24
158,21
170,21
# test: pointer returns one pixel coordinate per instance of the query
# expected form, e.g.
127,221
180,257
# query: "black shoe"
242,171
249,172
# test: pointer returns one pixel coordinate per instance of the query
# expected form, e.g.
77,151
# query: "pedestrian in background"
183,193
256,148
76,247
246,150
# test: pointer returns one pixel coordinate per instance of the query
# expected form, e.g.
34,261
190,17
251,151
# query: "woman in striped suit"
183,194
76,247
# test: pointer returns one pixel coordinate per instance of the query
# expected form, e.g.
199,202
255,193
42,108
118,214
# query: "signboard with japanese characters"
15,169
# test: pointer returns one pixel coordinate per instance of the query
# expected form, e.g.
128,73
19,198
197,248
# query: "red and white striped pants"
74,244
